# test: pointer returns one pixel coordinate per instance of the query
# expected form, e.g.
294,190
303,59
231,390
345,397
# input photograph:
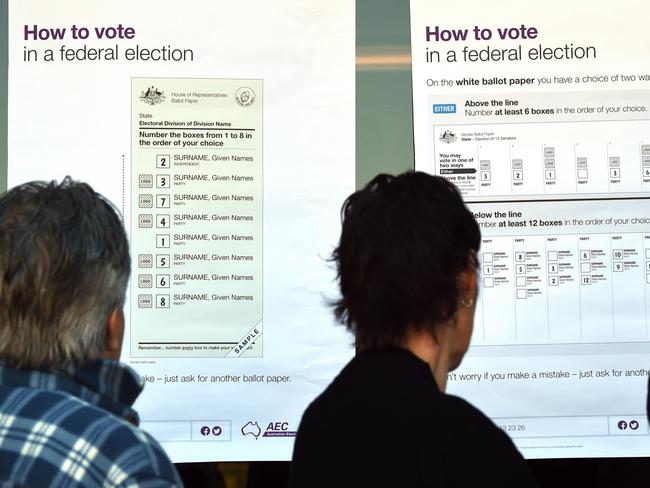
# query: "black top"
383,422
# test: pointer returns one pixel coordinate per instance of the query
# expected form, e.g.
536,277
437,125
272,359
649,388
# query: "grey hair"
64,268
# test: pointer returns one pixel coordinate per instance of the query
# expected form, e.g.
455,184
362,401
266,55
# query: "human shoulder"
459,406
107,446
142,461
132,454
477,448
135,458
464,419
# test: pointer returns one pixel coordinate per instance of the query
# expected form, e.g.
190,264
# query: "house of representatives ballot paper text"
544,127
196,239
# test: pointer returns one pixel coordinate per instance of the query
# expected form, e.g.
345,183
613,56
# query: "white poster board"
224,131
540,114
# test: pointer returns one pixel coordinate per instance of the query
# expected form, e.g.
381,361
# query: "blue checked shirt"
75,428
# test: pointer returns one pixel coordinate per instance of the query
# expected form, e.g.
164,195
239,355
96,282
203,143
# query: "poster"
544,126
224,133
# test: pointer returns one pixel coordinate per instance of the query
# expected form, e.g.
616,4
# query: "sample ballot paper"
197,239
223,131
544,127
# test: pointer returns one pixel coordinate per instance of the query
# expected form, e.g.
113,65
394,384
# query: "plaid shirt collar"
104,383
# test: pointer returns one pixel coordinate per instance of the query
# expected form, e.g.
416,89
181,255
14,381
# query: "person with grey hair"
66,416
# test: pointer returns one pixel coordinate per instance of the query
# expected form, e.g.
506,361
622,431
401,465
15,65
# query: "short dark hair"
64,266
404,241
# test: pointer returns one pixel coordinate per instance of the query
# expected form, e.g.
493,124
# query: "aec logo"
251,428
279,429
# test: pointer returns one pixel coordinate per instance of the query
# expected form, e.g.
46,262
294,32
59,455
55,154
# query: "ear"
468,283
114,334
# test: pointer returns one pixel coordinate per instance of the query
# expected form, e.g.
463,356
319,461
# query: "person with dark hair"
407,268
65,400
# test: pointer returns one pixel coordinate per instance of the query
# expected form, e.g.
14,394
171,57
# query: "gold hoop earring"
467,302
